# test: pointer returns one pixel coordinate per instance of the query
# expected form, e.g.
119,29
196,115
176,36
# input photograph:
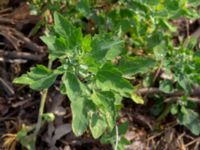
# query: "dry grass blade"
9,141
192,142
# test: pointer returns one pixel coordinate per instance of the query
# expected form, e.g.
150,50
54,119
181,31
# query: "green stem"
41,109
117,138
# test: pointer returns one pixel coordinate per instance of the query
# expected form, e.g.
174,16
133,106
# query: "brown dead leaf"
60,131
55,133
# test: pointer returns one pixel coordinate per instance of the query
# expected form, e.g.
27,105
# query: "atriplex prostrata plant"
93,83
95,69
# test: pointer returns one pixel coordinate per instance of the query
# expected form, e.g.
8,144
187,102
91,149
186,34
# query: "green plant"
94,85
96,69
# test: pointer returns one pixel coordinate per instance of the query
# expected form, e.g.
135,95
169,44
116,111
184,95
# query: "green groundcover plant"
96,69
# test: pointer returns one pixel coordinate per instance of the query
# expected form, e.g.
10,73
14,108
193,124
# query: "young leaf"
62,26
38,78
104,47
109,78
58,47
86,43
49,40
68,31
137,99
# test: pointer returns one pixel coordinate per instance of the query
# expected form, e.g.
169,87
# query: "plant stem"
117,137
41,111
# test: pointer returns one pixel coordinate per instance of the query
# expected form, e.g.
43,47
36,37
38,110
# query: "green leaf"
152,2
79,115
190,120
104,47
73,87
137,99
62,46
62,26
67,31
49,40
105,102
68,40
164,23
155,39
160,51
57,46
172,5
183,81
123,128
79,103
124,25
93,66
109,78
122,143
97,125
111,137
49,117
86,43
132,65
25,138
38,78
166,86
84,7
138,6
174,109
